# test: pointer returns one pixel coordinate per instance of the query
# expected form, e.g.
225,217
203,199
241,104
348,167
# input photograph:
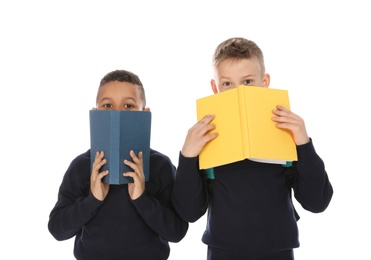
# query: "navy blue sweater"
250,213
118,227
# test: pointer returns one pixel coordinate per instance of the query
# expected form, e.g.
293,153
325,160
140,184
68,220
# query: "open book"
116,133
246,130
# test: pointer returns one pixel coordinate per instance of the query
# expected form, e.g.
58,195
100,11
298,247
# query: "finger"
97,165
199,130
134,157
132,165
98,162
99,175
208,128
280,107
136,176
286,113
137,160
137,169
209,137
280,112
207,119
133,175
98,157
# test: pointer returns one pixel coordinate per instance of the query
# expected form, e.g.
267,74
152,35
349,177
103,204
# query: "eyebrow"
249,76
105,98
131,98
109,98
224,78
244,77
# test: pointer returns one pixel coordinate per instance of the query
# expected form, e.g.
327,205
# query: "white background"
54,53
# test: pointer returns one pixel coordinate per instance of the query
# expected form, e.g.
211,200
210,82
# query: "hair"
125,76
238,48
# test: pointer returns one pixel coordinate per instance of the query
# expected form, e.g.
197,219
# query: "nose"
118,108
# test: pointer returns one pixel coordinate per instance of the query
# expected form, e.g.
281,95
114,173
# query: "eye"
247,82
227,84
129,106
107,105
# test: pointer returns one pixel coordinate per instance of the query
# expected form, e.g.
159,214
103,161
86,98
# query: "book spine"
115,148
244,122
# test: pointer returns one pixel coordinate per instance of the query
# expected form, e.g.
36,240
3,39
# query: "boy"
133,221
250,214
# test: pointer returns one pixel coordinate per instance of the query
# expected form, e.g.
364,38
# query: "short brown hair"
238,48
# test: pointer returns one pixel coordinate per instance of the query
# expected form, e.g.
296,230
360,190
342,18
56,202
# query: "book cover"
116,133
246,130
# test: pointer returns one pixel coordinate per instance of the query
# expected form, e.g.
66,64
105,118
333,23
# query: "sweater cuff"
141,202
306,151
187,161
92,203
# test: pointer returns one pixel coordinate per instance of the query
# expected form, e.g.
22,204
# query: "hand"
136,188
286,119
198,136
98,188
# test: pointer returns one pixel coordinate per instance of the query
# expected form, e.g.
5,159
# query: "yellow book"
246,130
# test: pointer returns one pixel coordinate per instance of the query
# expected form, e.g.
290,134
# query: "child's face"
116,95
231,74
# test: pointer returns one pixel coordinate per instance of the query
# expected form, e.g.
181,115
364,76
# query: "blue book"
116,133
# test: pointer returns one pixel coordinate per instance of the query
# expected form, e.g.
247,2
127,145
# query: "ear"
266,80
94,108
147,109
213,86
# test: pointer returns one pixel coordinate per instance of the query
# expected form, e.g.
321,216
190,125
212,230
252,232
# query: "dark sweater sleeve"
312,188
75,205
158,211
189,195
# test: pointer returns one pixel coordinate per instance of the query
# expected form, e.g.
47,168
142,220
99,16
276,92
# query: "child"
133,221
250,214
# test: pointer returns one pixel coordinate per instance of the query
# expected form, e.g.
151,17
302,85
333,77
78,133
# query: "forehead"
117,89
238,66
